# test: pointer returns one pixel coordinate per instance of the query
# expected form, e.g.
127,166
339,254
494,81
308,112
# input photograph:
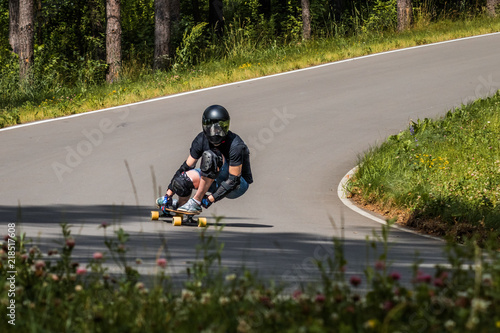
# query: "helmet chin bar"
215,139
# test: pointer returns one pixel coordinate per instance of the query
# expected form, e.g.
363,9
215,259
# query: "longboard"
179,217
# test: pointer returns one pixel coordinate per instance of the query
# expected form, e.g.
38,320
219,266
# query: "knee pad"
182,185
211,163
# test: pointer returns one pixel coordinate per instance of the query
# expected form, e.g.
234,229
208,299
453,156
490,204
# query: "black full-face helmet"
215,123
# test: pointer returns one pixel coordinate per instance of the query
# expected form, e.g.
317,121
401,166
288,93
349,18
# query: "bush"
54,293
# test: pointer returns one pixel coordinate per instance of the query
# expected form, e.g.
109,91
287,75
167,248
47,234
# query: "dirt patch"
458,232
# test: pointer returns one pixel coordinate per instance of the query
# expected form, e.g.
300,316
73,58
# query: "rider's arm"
228,185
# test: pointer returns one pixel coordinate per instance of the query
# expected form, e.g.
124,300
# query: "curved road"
305,128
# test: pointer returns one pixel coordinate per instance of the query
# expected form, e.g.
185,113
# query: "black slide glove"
205,202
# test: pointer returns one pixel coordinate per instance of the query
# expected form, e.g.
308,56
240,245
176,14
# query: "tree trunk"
162,33
26,36
404,8
14,25
215,16
306,19
265,8
491,7
113,40
196,11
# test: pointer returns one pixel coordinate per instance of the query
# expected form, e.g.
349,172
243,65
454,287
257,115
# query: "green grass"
52,292
446,170
245,61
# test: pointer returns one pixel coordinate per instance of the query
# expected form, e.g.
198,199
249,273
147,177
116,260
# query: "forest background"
59,51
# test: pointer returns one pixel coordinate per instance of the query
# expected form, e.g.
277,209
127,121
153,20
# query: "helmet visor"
219,128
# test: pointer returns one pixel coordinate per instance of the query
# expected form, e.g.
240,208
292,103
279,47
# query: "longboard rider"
224,170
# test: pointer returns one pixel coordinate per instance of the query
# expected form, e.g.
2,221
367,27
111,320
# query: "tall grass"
445,169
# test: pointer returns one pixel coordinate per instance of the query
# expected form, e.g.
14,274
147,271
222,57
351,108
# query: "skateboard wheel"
177,221
202,222
155,215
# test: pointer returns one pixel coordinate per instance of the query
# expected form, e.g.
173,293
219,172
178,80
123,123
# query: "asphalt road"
306,130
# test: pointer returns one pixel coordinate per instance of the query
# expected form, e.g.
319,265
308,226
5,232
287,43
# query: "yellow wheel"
177,221
155,215
202,222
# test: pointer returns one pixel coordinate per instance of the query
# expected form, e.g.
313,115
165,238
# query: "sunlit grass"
447,169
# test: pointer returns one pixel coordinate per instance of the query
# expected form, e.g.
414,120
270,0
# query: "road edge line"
245,81
341,192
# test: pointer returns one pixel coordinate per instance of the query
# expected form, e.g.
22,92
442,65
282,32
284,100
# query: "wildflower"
438,282
224,300
98,256
81,271
139,285
39,265
138,261
297,294
230,277
395,276
104,225
380,265
162,262
370,324
78,288
388,305
205,298
422,277
450,325
187,295
480,305
355,280
70,242
54,277
320,298
498,324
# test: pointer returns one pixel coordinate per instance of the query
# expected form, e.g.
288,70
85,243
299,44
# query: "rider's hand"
167,200
205,202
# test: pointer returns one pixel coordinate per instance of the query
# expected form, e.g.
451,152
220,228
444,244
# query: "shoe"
166,202
190,207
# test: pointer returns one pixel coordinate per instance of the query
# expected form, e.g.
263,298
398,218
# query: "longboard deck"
179,217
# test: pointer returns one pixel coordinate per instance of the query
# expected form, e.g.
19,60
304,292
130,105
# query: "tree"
113,39
215,16
491,7
306,19
405,16
26,36
162,33
14,25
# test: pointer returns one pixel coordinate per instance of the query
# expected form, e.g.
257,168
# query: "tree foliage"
70,36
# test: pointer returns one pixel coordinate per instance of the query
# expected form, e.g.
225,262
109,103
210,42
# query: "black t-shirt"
234,150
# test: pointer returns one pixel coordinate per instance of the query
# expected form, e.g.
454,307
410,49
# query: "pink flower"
70,242
39,264
297,294
380,265
81,271
355,280
388,305
395,276
162,262
98,255
438,282
320,298
425,278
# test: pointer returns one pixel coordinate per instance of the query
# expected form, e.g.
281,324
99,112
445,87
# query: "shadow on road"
284,257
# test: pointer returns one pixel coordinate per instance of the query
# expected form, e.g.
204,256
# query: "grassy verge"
443,174
243,63
53,293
